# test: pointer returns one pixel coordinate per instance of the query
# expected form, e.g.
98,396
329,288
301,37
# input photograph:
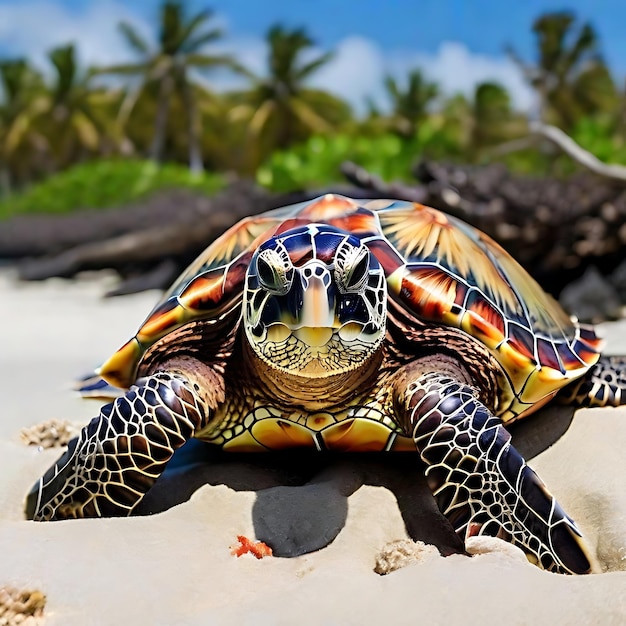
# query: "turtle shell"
438,268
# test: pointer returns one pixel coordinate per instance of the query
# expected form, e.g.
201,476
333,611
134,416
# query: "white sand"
175,567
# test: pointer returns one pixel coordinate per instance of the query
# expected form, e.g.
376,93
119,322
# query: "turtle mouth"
317,351
314,336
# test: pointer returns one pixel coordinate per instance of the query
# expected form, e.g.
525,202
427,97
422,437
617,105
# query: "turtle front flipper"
119,455
603,385
481,483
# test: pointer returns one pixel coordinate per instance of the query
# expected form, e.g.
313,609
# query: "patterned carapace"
438,269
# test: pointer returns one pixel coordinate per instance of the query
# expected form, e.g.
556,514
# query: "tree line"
161,106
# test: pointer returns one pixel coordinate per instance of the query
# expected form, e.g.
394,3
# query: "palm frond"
309,117
309,68
123,69
261,117
191,45
86,130
134,39
211,60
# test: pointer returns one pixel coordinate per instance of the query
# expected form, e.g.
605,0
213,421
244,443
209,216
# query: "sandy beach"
176,567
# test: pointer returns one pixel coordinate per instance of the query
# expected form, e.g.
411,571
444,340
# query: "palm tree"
50,123
281,109
181,40
410,106
20,144
570,77
74,117
491,114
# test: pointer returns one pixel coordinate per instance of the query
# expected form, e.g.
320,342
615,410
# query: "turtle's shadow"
302,496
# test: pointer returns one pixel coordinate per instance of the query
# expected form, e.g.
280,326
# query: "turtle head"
315,302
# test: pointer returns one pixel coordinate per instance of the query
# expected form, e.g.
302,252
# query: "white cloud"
32,27
360,65
355,73
458,69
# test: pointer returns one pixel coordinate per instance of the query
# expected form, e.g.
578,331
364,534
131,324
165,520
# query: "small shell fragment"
53,433
19,606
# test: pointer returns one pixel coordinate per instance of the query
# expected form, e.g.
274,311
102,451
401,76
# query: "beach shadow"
302,496
537,432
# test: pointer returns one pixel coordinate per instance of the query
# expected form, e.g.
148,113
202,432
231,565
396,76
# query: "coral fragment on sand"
398,554
257,548
53,433
24,607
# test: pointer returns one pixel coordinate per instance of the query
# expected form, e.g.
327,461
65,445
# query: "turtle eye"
274,271
352,269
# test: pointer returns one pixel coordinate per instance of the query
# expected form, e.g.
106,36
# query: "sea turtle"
337,324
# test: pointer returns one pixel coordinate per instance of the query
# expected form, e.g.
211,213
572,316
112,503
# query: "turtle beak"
316,319
317,310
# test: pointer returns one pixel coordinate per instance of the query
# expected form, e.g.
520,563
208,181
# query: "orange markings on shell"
435,216
588,355
204,292
486,319
588,335
516,364
430,292
389,259
548,356
328,206
289,224
569,359
164,318
478,327
362,223
119,370
523,341
441,270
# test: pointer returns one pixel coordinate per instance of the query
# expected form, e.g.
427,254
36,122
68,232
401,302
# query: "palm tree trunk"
194,128
5,181
285,127
160,124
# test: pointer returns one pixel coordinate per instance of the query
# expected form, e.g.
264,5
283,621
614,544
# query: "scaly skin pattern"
121,452
603,385
481,483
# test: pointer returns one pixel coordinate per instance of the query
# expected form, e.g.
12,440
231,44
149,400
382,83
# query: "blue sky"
458,42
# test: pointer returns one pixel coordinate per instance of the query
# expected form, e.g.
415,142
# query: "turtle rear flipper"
481,483
603,385
92,386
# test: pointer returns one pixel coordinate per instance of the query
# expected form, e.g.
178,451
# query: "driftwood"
557,229
147,249
540,131
361,178
565,143
560,230
148,244
39,235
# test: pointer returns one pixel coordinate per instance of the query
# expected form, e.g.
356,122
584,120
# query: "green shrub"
599,136
317,162
100,184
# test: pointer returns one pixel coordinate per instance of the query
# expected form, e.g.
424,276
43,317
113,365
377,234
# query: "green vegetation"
103,184
317,161
68,139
